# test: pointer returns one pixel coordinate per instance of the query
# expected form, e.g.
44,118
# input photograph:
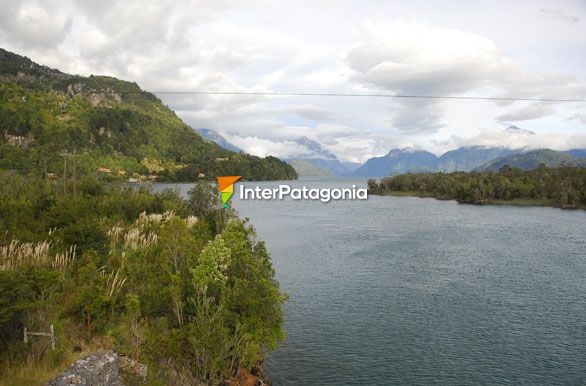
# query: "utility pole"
74,173
65,154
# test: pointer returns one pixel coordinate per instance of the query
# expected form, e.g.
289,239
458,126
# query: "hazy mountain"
317,150
398,161
320,157
305,168
351,166
335,166
470,157
578,153
213,136
530,160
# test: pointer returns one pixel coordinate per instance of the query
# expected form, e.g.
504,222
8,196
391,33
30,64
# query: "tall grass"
16,254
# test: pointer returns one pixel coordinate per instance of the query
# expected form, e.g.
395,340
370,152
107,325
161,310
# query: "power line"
311,94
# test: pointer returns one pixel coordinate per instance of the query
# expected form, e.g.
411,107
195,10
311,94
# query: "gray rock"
98,369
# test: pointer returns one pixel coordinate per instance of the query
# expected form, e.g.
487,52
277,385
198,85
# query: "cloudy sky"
526,49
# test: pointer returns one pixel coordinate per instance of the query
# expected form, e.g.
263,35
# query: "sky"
516,49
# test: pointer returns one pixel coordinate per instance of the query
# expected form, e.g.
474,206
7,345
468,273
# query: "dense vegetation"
176,283
112,125
564,187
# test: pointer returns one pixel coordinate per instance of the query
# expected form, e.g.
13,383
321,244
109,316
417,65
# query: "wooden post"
52,338
50,334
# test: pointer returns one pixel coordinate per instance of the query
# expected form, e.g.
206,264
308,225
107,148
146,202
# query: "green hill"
111,124
531,160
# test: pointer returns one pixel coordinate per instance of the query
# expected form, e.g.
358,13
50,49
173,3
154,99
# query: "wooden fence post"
50,334
52,338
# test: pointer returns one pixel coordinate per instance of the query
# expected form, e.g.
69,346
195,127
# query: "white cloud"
579,117
264,147
329,47
418,59
499,137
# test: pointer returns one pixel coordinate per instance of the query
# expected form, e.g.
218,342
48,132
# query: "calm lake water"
400,290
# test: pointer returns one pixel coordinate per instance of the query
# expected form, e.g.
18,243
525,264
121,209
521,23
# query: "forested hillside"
112,126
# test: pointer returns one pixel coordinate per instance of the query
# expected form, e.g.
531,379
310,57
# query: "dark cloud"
532,111
559,14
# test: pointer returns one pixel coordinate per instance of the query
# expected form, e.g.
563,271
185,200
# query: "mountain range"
475,158
320,162
398,161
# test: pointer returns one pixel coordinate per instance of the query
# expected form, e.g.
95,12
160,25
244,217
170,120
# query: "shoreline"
529,202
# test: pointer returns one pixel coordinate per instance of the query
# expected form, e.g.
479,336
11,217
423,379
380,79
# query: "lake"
402,290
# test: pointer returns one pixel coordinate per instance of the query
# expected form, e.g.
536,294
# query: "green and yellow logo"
226,186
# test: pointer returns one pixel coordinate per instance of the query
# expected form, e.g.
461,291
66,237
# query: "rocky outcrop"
98,369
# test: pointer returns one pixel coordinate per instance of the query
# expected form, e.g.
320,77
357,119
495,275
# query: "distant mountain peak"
316,150
404,150
213,136
517,130
317,161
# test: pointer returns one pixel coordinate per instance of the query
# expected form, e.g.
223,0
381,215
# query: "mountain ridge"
398,161
217,138
531,160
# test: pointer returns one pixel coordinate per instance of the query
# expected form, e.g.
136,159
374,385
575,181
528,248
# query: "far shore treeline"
563,187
